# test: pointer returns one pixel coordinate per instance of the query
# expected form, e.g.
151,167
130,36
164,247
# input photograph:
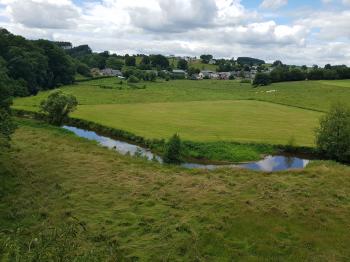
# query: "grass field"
245,121
207,110
62,197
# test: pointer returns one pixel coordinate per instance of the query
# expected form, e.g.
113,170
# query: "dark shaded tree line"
284,73
30,66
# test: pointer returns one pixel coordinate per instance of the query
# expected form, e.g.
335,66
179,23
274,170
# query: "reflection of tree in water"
288,161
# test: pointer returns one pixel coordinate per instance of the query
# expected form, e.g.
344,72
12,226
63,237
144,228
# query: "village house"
178,73
205,74
95,72
224,75
111,72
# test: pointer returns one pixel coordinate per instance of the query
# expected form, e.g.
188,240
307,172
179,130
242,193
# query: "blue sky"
294,31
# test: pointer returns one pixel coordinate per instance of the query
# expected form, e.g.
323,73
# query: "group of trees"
6,124
333,134
283,73
34,65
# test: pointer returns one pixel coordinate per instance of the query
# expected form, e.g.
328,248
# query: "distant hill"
249,61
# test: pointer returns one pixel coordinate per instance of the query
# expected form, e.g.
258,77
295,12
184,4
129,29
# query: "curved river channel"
268,164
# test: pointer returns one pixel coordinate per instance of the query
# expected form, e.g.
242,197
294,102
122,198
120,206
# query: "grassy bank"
64,197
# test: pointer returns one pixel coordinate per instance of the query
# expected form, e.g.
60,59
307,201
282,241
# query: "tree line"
29,66
284,73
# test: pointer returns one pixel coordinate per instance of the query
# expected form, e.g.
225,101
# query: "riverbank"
207,153
65,197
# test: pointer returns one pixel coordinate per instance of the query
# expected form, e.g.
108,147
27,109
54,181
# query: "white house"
111,72
208,74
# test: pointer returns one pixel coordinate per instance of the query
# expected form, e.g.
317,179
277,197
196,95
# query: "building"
224,75
95,72
212,62
111,72
178,73
207,74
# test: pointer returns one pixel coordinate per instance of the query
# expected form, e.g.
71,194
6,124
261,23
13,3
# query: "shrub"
133,79
261,79
173,150
333,135
58,105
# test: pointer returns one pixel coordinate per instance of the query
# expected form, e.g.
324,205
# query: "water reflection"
268,164
277,163
120,146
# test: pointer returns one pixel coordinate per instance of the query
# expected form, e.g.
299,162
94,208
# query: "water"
268,164
122,147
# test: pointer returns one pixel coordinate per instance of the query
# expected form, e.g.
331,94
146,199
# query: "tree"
159,61
82,69
261,79
130,61
7,126
114,63
206,58
277,63
192,71
58,106
328,66
173,150
249,61
182,64
133,79
333,135
145,60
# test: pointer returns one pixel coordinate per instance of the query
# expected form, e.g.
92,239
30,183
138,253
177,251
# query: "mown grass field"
207,110
245,121
65,198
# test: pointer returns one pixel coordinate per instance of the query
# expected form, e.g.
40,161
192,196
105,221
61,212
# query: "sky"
294,31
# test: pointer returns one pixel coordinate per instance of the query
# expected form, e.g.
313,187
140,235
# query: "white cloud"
42,13
273,4
224,28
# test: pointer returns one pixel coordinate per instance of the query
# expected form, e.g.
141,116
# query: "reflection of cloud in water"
269,164
122,147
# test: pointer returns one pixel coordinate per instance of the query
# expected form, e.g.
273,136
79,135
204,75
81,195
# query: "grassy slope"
133,209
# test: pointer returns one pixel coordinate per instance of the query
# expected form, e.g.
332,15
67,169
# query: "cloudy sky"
294,31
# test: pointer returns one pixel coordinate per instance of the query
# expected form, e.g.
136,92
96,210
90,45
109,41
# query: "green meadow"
206,111
66,199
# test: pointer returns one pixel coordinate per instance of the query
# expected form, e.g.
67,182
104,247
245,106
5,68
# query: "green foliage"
114,63
249,61
159,61
173,150
333,135
83,69
261,79
34,65
192,71
57,106
182,64
130,61
206,58
7,126
133,79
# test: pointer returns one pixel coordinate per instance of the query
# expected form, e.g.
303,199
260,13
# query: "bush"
261,79
333,135
133,79
58,105
173,150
